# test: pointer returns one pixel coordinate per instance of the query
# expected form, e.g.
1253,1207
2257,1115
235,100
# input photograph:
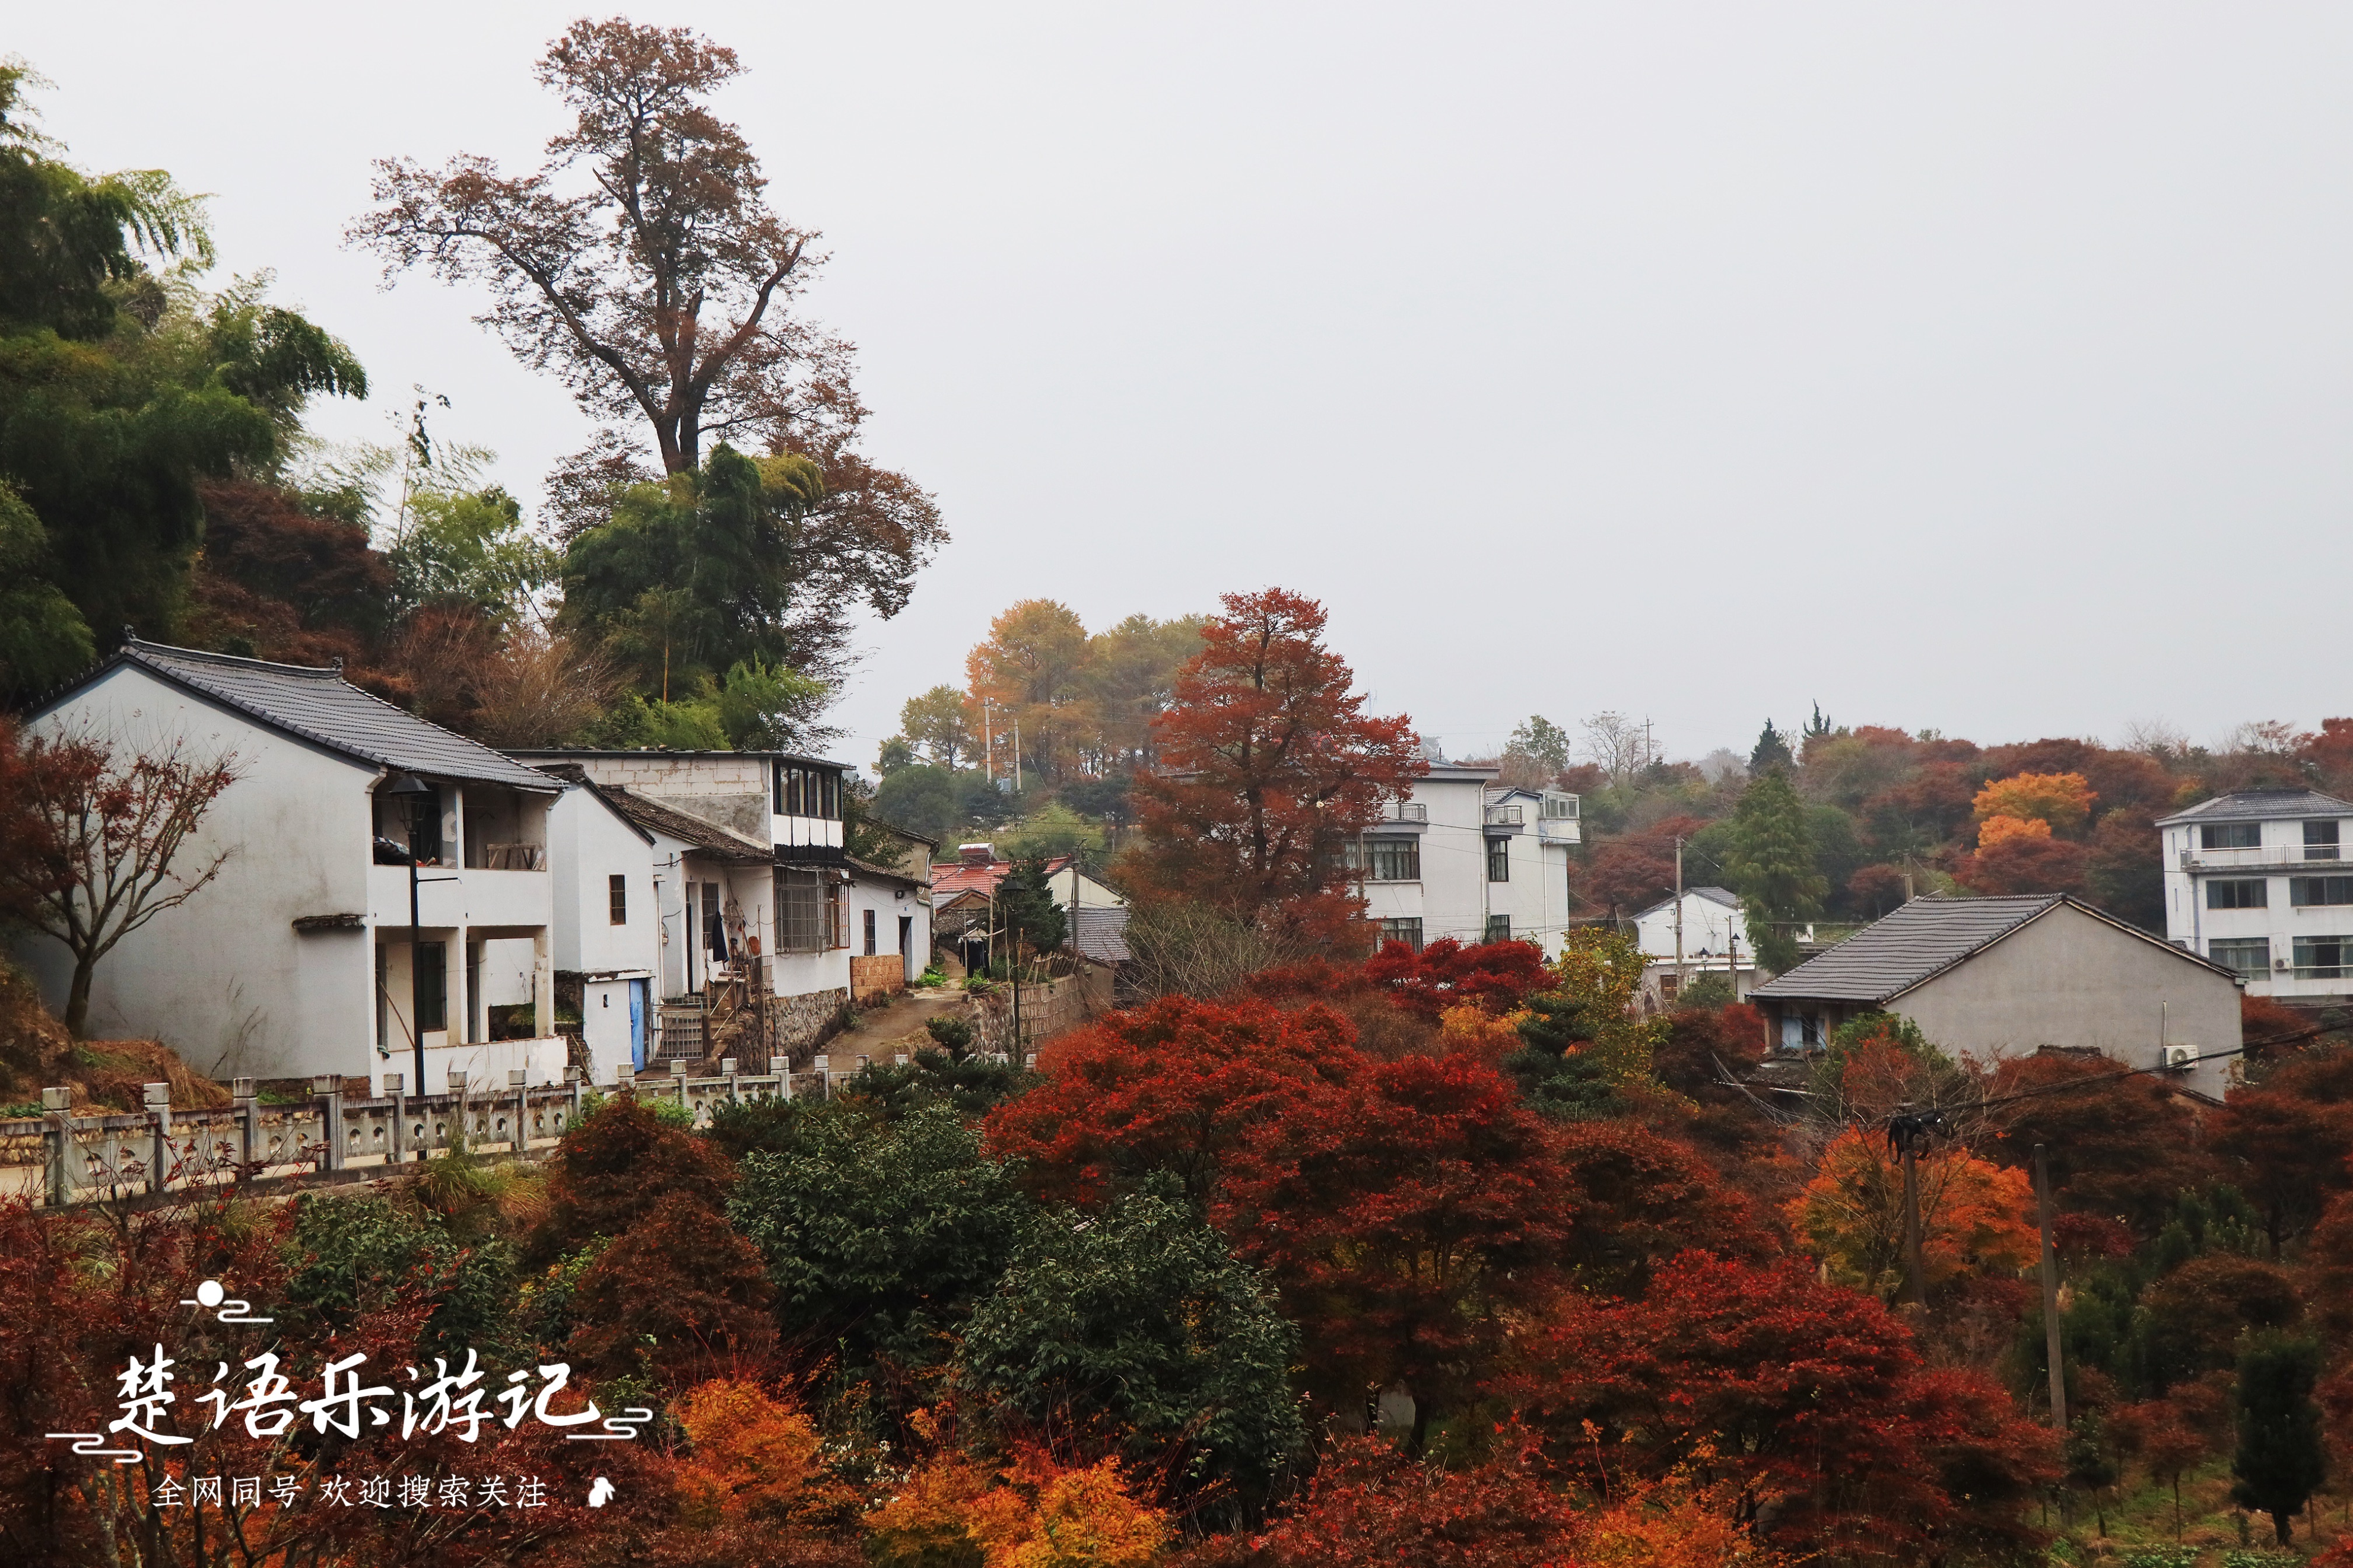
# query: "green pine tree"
1025,903
1772,752
2280,1462
1771,864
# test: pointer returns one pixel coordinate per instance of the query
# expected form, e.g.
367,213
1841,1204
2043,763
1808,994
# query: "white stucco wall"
2190,868
226,980
1708,927
890,900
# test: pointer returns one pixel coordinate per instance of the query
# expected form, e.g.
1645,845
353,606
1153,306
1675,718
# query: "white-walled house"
749,865
1714,938
1466,859
607,940
891,916
298,958
2260,882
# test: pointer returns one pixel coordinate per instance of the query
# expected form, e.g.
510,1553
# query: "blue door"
638,1022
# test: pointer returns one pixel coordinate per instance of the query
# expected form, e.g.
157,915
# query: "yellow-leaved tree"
1851,1215
2012,807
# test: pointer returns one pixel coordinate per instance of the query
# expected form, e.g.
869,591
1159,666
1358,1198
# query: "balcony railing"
2261,857
509,858
1507,816
1410,811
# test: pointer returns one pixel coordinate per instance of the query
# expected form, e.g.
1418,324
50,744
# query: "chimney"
977,854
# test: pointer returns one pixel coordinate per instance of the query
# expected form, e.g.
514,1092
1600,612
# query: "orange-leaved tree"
1851,1215
1033,1512
1272,768
2060,801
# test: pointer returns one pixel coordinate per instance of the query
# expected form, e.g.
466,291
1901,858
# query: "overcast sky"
1980,368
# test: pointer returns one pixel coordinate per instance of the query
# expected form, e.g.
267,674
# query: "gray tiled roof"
1725,896
1100,933
1924,938
705,837
2261,805
321,705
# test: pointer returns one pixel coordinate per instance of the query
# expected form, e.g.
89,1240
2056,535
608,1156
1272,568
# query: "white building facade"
1711,938
300,957
1465,857
2260,882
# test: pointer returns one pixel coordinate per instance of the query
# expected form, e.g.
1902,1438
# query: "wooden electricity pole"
1906,1131
2050,1292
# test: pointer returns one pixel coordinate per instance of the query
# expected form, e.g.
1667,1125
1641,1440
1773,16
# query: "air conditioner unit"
2180,1058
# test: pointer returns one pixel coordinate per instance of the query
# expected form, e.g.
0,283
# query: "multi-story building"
1466,857
1710,937
2260,882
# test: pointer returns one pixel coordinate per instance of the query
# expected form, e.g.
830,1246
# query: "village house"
891,914
1465,857
1710,937
1990,978
752,892
299,958
964,912
2260,882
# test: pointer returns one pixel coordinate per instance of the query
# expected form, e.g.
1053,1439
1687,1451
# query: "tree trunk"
2279,1523
77,1018
1420,1432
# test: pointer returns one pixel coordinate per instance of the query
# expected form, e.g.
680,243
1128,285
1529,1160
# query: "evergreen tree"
1771,865
1772,752
2280,1462
1025,904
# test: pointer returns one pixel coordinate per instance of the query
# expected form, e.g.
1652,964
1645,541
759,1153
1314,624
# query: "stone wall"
800,1020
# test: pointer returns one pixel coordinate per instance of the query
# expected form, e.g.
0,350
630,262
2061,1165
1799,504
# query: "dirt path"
896,1029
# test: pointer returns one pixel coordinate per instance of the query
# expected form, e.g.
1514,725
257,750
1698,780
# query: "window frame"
432,983
2333,892
1499,859
2218,835
2305,953
2256,948
1406,929
2324,840
1499,929
616,898
2262,885
1378,857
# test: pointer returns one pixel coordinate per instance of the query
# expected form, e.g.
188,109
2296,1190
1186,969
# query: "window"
803,919
2251,957
432,986
2304,892
2230,836
1499,859
2320,841
616,897
870,933
1560,806
423,829
1395,860
1499,928
837,913
1407,932
2247,895
2324,957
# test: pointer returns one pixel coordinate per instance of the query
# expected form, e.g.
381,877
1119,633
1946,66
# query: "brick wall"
877,977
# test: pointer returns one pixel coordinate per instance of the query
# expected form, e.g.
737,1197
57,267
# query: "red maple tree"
1402,1214
1446,973
1272,768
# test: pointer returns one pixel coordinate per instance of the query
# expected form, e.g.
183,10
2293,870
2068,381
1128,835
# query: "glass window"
870,933
2304,892
2230,836
2251,957
1499,859
804,913
2236,895
1394,860
2324,957
1499,928
1559,806
1407,932
618,898
2320,841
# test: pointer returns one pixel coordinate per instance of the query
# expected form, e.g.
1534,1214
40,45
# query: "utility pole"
2050,1292
1679,914
1907,1134
988,740
1017,751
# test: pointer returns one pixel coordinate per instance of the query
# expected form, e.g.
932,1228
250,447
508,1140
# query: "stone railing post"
458,1132
244,1093
392,1084
727,1071
825,1076
782,1069
55,1138
328,1088
158,1100
577,1080
519,1079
